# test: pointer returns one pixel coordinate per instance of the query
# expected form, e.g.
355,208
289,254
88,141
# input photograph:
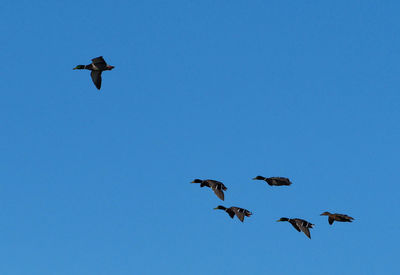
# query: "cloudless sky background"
97,182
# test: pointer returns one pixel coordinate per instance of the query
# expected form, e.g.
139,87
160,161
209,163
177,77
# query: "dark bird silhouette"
337,217
233,210
217,186
274,181
299,225
97,66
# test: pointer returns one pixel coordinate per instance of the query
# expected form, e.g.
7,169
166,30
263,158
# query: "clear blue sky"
98,182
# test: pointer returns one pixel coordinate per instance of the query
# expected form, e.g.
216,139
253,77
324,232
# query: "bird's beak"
278,220
215,208
254,178
75,68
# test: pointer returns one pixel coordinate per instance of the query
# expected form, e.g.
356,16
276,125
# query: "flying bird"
217,186
97,66
275,181
337,217
233,210
299,225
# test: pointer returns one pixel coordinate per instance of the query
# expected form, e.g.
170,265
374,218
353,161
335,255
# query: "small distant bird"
97,66
299,225
240,212
274,181
217,186
337,217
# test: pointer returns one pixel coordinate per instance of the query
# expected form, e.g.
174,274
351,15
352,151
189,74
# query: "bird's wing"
214,182
330,220
303,225
99,62
306,231
286,181
270,181
96,78
240,214
219,193
344,218
278,181
230,212
219,185
294,223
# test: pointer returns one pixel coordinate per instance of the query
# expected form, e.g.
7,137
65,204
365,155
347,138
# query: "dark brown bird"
97,66
337,217
217,186
233,210
299,225
274,181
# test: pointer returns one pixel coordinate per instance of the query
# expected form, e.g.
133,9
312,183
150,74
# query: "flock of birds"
299,224
99,65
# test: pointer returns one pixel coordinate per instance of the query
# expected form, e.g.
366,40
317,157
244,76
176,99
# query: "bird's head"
197,181
220,207
259,178
283,220
79,67
109,67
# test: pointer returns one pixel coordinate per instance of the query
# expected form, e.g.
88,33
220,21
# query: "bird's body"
299,225
217,186
275,181
97,66
337,217
233,210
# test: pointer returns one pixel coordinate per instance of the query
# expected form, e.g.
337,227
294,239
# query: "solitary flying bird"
97,66
274,181
217,186
299,225
233,210
337,217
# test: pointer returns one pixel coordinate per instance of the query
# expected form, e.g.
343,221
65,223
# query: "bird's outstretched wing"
304,225
215,182
219,193
294,224
99,62
96,78
230,212
306,231
240,214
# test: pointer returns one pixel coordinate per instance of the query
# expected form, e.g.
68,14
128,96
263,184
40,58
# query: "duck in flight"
233,210
97,66
337,217
275,181
299,225
217,186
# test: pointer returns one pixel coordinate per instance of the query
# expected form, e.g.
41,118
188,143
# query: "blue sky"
98,182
